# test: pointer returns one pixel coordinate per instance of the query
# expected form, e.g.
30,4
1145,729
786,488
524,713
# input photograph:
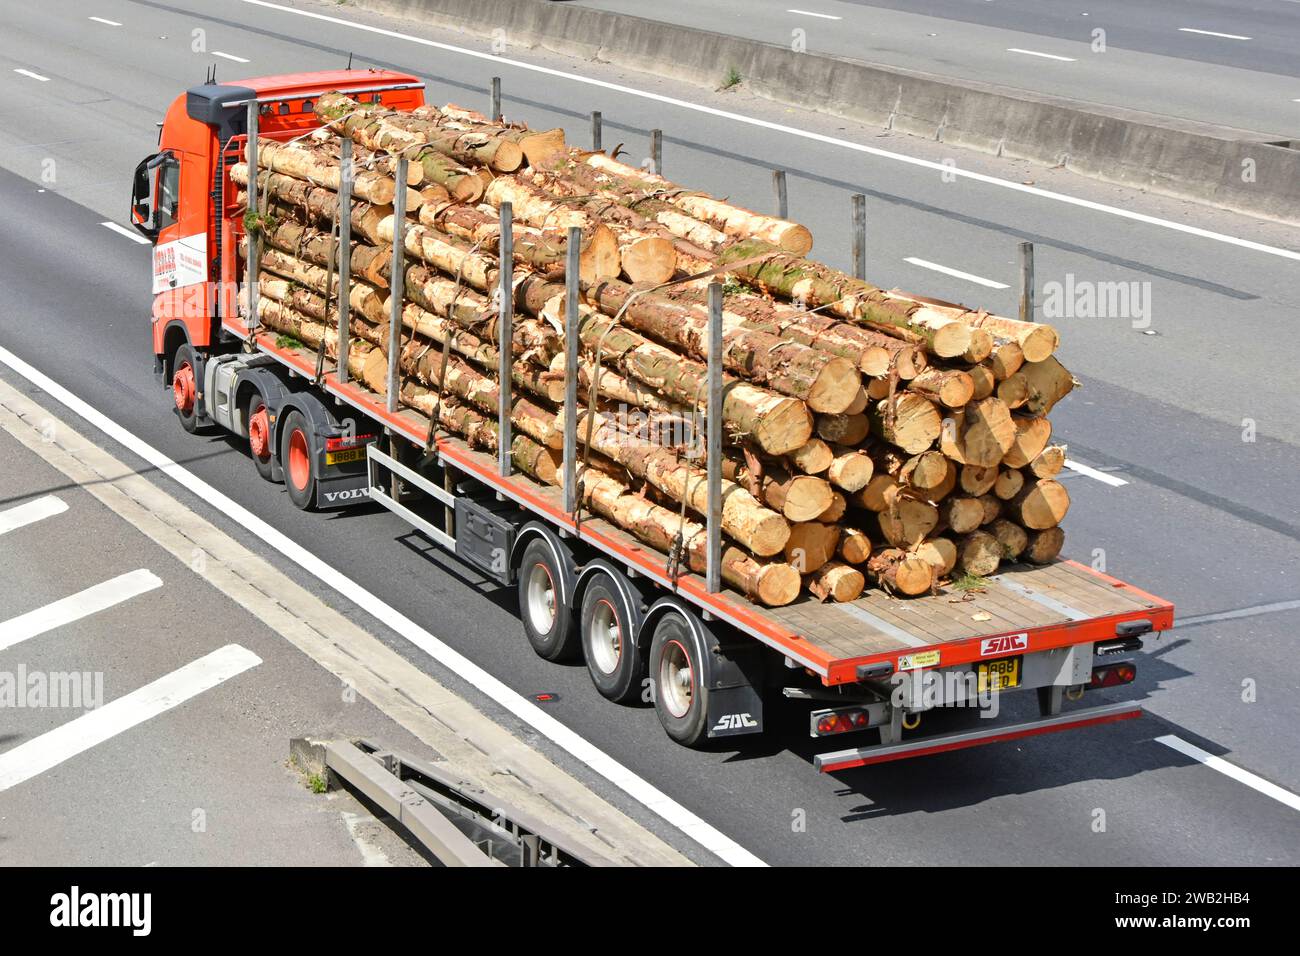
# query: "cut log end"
836,387
836,582
1039,343
1044,546
784,427
979,554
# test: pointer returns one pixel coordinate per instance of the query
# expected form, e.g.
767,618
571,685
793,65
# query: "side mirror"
144,206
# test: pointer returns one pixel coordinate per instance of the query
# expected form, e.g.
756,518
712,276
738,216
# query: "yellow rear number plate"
345,456
999,674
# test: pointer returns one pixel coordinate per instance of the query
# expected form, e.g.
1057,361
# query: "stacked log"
872,438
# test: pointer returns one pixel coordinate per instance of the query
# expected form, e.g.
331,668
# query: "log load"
873,438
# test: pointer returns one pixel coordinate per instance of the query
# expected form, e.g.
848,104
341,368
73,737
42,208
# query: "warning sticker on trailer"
180,263
911,662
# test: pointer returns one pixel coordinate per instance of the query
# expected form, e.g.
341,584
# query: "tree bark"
814,284
773,584
381,129
759,529
825,382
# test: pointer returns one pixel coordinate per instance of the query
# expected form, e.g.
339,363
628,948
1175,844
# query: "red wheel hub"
183,388
259,433
299,460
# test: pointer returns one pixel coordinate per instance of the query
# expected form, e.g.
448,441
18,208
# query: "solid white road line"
77,736
1280,794
123,231
1094,473
11,519
229,56
34,76
76,606
801,133
809,13
600,762
956,273
1045,56
1211,33
107,23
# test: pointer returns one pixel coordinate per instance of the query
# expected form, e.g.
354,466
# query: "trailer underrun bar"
865,756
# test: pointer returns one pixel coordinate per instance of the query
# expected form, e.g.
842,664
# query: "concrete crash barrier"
1247,172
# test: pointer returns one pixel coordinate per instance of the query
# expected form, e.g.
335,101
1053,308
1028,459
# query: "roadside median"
1253,173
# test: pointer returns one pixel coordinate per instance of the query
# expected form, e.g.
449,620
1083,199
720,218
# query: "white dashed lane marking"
50,749
32,511
92,600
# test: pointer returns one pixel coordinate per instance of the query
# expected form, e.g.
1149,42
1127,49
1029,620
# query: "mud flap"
735,698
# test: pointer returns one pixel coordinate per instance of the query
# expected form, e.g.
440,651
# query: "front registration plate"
344,456
999,674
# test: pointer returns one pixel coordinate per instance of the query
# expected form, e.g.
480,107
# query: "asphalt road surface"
1189,435
152,718
1229,62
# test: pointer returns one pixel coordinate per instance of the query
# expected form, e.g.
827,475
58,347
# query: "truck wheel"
298,458
608,642
547,620
681,700
185,388
259,436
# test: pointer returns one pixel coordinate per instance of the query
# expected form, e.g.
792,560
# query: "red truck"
706,655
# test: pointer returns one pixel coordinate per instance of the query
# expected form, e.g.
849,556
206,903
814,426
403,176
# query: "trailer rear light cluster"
841,722
1112,675
344,442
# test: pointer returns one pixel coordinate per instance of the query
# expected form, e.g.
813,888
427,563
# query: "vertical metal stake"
713,440
495,113
657,151
397,285
782,200
253,263
505,340
345,257
859,236
596,131
1026,282
571,267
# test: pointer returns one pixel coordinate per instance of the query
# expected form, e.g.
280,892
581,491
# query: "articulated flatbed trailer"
647,627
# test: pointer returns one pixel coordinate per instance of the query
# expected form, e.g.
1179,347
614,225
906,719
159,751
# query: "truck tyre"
185,388
681,700
298,458
613,660
547,620
259,436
